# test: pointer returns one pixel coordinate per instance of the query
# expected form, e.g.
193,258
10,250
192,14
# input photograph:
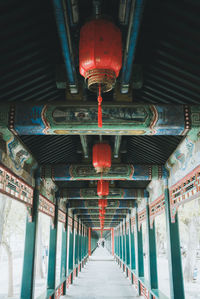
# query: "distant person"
102,244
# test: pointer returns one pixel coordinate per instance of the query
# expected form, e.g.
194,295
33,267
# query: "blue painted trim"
127,66
60,20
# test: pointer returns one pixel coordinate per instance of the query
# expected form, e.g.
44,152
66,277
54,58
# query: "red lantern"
102,211
102,188
101,157
100,56
101,217
103,203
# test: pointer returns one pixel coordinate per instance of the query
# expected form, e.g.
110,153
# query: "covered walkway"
101,278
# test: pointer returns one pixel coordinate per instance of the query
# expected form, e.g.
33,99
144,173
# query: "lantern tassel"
99,108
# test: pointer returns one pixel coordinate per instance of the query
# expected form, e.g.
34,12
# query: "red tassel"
99,108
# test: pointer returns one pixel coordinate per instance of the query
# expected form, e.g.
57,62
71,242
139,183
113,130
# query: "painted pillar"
123,244
132,249
89,241
174,253
113,247
151,247
80,244
30,245
72,252
120,239
139,247
63,272
51,276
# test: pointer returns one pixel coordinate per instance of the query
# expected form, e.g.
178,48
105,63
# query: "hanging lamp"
102,188
101,157
100,57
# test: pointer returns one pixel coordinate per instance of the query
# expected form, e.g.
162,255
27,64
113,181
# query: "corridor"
101,278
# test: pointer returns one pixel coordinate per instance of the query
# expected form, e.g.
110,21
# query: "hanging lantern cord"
99,108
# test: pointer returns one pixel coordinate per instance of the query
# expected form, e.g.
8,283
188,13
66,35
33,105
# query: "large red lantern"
102,157
102,203
100,57
102,211
102,188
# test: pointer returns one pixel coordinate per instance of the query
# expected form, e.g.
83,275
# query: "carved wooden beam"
114,193
117,172
93,204
118,119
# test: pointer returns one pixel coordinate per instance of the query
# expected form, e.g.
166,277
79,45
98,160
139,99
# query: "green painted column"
121,246
78,242
123,243
174,253
51,276
151,247
63,272
30,245
139,247
80,245
132,250
72,249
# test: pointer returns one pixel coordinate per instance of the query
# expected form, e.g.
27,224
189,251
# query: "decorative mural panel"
141,217
127,227
116,172
48,189
185,158
93,204
61,216
118,119
114,193
15,156
75,225
188,188
132,223
69,221
46,206
156,208
15,187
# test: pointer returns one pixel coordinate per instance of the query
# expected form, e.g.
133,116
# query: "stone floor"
101,278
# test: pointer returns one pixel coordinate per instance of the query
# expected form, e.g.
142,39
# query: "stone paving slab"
101,279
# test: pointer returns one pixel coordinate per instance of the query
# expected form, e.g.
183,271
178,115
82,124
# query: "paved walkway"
101,278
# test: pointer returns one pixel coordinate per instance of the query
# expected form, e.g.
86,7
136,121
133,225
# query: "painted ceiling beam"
93,204
136,14
67,51
128,172
114,193
118,119
95,212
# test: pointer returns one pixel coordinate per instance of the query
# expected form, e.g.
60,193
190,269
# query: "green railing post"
51,276
140,261
174,253
63,272
30,245
151,247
